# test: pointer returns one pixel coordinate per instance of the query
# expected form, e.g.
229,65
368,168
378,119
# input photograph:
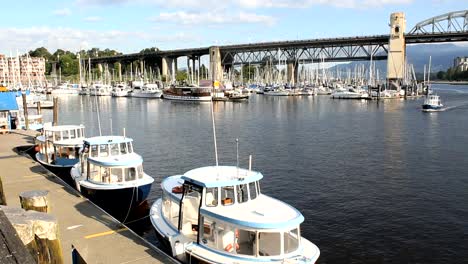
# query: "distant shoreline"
451,82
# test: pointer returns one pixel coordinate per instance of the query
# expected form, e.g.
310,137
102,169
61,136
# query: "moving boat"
217,214
111,174
188,93
148,90
432,103
58,148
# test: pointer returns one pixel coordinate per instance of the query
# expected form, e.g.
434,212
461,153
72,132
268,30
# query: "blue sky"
131,25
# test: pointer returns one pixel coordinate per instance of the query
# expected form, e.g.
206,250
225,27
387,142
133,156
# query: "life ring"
229,248
177,189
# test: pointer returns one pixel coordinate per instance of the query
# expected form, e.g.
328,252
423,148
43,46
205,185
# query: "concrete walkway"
96,236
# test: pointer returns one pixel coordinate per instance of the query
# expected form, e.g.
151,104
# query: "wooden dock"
84,227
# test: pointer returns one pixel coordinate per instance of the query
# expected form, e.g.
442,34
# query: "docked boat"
236,95
188,93
277,92
66,88
148,90
120,90
349,93
58,149
111,174
432,103
217,214
99,89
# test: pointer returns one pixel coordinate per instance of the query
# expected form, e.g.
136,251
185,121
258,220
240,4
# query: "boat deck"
96,236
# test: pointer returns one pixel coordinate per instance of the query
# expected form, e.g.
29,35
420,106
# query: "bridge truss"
453,22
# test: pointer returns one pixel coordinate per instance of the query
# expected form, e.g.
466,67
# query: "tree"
181,76
149,50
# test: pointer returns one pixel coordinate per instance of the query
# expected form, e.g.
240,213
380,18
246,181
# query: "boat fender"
37,148
229,248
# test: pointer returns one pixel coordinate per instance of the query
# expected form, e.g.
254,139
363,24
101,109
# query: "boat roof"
69,142
126,160
8,101
217,176
102,140
264,212
62,128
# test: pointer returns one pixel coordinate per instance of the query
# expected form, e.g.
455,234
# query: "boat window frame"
216,198
198,188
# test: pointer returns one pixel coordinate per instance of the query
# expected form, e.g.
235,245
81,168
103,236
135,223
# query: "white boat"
236,95
99,89
120,90
432,103
218,214
277,92
148,90
66,88
58,148
84,91
111,174
349,93
188,93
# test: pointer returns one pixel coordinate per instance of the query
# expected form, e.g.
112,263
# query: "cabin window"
123,148
114,148
252,190
190,205
140,171
130,147
242,193
208,235
93,173
116,175
269,244
130,174
246,242
211,197
103,150
105,175
174,211
94,151
227,195
79,133
56,136
257,184
72,134
225,237
291,241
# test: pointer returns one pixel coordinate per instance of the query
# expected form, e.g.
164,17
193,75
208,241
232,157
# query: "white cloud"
62,12
212,18
92,19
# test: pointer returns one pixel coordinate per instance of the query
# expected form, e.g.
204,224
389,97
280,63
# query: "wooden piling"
38,105
35,200
12,248
2,194
25,109
39,232
55,118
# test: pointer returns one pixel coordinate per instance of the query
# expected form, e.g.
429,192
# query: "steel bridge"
450,27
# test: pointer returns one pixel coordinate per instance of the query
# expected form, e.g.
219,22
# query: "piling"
2,194
12,248
39,110
35,200
25,109
39,233
55,118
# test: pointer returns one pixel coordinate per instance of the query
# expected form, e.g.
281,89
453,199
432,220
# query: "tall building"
461,63
24,71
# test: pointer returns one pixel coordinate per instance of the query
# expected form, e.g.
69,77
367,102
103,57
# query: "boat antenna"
111,126
214,134
237,152
250,162
124,132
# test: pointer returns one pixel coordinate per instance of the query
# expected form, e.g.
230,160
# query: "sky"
132,25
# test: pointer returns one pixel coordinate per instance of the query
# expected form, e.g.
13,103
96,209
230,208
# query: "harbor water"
377,181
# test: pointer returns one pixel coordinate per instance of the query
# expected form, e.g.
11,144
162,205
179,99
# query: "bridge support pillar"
292,69
166,68
396,50
216,68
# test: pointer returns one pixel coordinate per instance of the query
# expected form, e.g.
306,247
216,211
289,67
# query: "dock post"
2,194
55,120
25,110
39,110
35,200
13,249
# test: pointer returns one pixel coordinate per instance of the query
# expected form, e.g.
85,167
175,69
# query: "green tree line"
453,74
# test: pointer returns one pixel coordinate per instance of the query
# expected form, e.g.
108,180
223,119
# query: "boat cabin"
221,209
60,145
110,159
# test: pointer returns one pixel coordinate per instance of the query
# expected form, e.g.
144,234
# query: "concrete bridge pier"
396,50
216,69
292,71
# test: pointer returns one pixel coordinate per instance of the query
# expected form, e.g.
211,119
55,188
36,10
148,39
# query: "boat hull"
187,98
62,171
146,95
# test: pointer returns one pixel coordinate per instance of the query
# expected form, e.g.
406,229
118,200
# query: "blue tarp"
8,101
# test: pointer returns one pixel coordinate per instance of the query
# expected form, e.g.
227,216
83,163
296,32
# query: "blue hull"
118,202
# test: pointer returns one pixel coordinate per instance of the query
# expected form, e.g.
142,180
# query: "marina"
236,146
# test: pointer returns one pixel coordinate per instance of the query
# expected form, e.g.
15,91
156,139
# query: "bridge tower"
396,49
216,69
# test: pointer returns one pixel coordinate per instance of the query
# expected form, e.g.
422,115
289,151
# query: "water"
377,182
